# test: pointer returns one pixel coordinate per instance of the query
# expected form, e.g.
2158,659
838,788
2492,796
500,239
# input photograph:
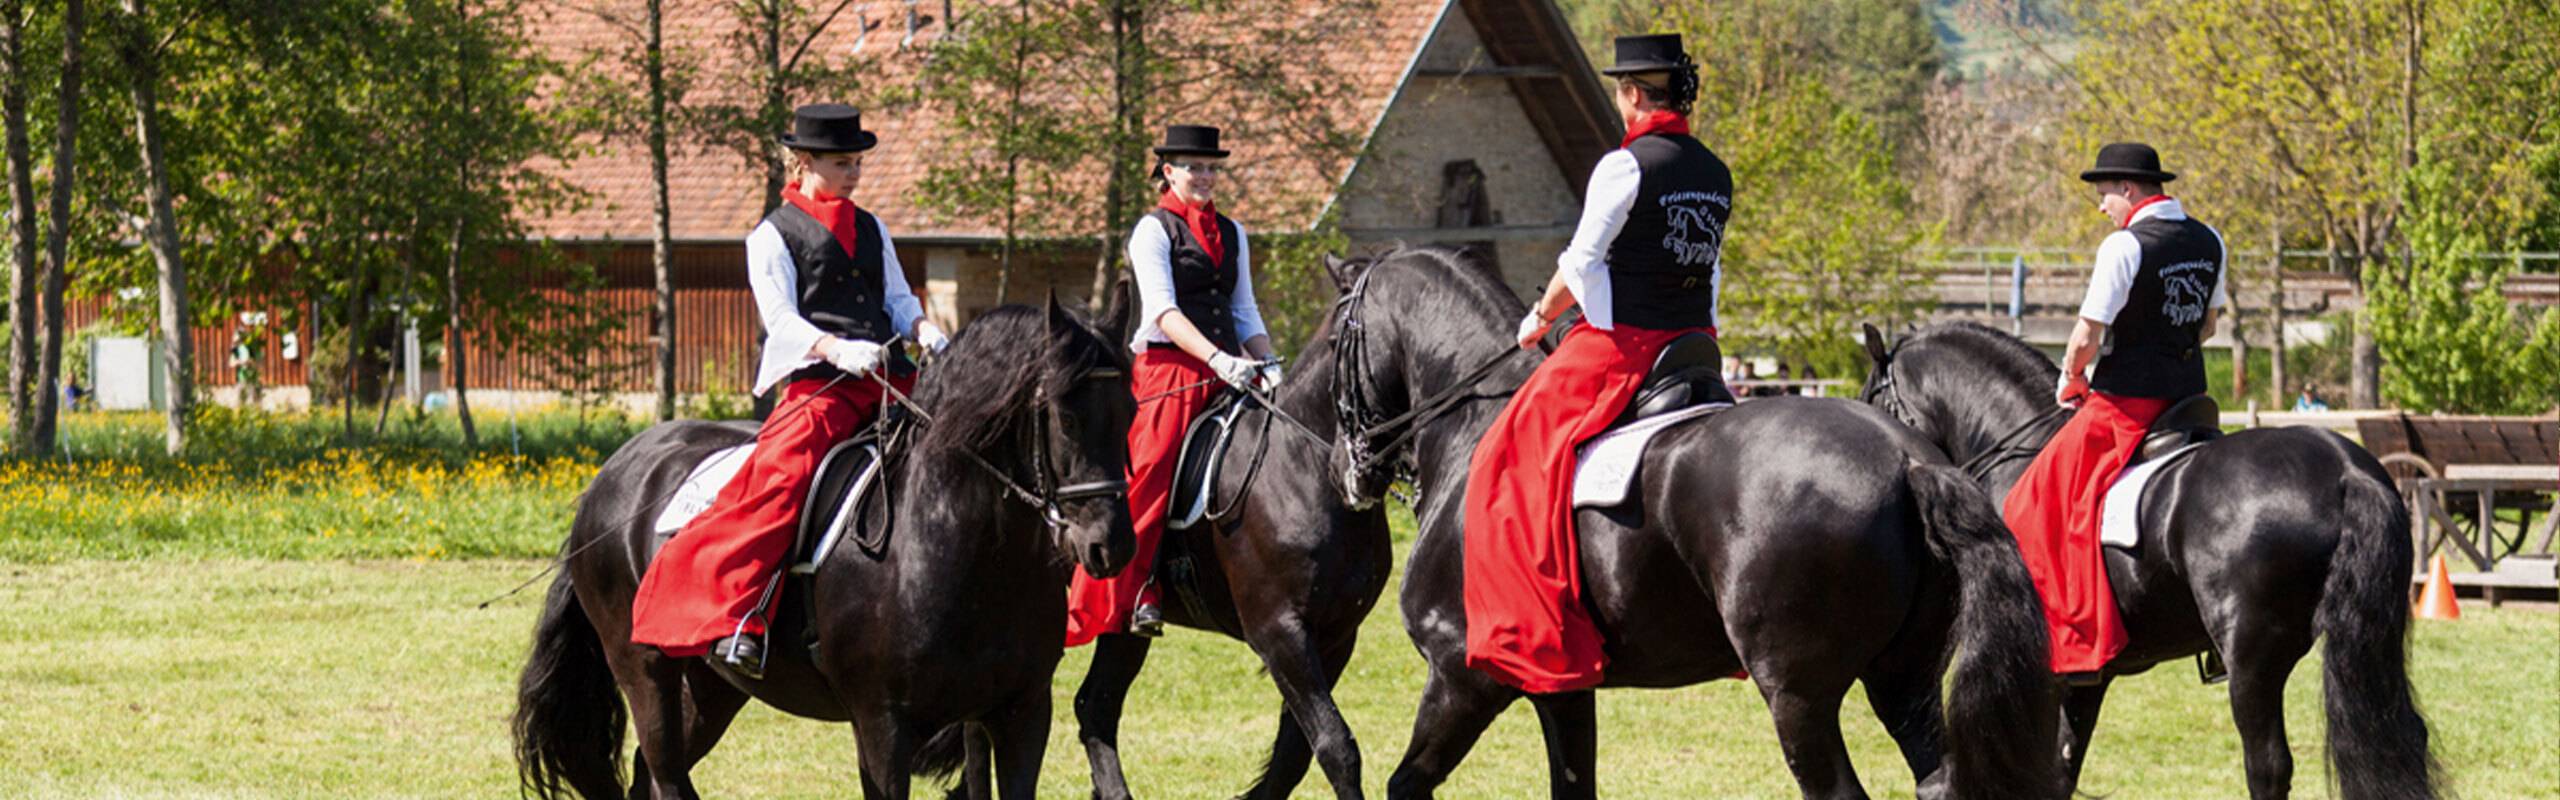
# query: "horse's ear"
1344,272
1060,321
1114,324
1876,349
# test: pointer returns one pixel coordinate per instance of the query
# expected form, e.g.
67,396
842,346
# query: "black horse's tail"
2003,717
2377,740
569,716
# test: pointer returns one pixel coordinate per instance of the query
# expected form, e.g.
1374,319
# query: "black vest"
1662,266
1205,290
2155,347
842,294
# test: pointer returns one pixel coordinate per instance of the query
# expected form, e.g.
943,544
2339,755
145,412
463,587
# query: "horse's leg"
1305,675
1117,658
888,746
1572,729
1455,710
1808,720
655,687
1021,739
2263,653
2080,721
1904,694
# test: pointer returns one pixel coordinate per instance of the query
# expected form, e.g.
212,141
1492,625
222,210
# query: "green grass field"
292,679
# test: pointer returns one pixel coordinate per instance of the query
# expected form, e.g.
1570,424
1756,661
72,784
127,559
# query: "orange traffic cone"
2436,602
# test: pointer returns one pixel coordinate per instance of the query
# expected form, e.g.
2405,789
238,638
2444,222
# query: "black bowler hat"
1190,140
2128,161
828,128
1660,52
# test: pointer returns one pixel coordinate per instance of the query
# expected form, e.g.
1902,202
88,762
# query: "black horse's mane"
2015,359
999,365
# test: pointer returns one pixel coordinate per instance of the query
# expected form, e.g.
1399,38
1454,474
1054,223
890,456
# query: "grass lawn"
255,678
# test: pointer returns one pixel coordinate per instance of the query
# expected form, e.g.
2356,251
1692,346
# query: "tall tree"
142,53
66,153
23,266
642,84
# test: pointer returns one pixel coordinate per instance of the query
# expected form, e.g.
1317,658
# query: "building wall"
1437,120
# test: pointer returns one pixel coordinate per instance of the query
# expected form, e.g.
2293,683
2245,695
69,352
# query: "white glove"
2070,390
856,357
931,336
1235,371
1270,378
1531,330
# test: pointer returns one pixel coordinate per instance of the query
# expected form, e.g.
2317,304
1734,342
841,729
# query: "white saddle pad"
700,486
1605,467
2120,511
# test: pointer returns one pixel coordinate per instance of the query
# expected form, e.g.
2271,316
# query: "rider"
2153,295
1195,314
830,291
1644,264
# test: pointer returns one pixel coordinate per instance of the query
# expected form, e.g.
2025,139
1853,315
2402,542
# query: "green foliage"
2448,336
1290,282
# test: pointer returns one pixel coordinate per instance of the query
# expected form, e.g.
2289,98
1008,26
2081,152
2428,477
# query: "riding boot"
1147,620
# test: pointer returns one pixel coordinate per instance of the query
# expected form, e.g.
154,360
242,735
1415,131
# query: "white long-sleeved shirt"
1151,263
2120,259
775,279
1585,261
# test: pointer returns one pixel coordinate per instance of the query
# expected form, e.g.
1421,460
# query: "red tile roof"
715,194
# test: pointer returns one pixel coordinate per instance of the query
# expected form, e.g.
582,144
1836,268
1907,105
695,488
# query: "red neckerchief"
1203,219
837,213
1656,121
2137,208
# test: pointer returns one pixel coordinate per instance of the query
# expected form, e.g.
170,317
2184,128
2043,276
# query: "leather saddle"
1687,373
2190,421
849,497
1204,448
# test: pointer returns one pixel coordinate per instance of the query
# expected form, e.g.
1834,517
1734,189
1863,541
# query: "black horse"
2252,546
1814,543
951,630
1287,567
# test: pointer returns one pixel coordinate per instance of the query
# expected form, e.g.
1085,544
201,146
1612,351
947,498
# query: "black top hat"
1190,140
1660,52
828,128
2128,161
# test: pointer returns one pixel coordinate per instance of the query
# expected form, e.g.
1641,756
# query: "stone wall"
1436,120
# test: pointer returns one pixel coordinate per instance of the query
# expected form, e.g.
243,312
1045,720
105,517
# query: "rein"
1050,498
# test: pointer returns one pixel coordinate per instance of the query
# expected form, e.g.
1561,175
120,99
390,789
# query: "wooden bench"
2457,473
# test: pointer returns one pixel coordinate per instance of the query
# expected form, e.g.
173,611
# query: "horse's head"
1054,392
1404,323
1085,400
1957,384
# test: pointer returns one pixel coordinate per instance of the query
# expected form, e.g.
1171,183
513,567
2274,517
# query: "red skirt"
706,582
2053,511
1168,398
1526,625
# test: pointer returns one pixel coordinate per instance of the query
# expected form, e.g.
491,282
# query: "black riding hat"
827,128
1659,52
1190,140
2128,161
